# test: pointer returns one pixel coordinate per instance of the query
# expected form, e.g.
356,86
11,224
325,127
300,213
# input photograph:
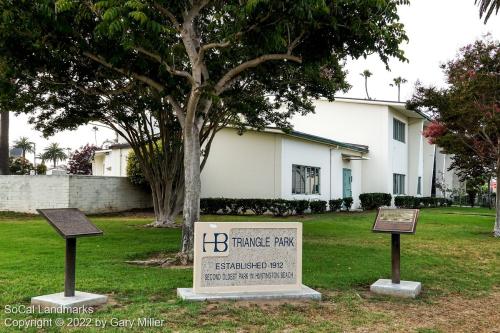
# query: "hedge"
420,202
375,200
277,207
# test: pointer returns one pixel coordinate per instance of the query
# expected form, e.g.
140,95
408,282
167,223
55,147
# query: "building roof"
400,106
295,134
319,139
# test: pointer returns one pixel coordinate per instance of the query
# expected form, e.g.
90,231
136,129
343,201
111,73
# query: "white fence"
91,194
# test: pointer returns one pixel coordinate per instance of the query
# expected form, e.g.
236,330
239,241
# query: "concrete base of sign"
305,293
58,300
404,289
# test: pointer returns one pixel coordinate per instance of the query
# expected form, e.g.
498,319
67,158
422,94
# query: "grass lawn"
452,253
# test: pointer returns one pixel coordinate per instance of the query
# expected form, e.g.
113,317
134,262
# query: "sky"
437,29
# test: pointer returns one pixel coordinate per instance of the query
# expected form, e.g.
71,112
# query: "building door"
347,182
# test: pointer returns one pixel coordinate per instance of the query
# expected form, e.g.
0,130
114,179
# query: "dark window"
398,183
399,129
305,179
419,185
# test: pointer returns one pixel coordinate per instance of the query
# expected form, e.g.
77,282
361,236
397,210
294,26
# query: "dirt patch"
362,312
164,260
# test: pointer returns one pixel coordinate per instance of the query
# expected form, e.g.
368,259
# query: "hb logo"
219,242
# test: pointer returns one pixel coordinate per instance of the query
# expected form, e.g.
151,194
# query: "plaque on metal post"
396,222
70,223
400,221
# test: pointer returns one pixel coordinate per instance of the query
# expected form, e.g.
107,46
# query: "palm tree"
25,145
4,142
398,81
366,74
54,153
487,7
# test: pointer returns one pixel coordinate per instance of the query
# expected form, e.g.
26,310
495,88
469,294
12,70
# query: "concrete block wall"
91,194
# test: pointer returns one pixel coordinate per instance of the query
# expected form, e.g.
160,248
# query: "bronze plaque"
70,222
397,221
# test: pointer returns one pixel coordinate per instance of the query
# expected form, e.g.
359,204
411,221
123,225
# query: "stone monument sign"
247,260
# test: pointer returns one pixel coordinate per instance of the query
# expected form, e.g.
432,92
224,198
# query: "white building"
400,159
267,164
320,165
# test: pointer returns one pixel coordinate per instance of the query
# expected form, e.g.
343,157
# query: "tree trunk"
4,142
191,211
366,88
496,230
167,202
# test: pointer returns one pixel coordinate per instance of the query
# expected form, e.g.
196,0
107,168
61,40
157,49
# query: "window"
305,179
419,185
399,129
398,184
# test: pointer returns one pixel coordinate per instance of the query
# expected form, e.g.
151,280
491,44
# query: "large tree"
467,112
198,64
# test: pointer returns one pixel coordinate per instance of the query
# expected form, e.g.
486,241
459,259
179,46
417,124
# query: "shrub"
134,171
213,206
335,205
347,203
299,206
258,206
318,206
20,166
41,169
406,202
279,207
374,200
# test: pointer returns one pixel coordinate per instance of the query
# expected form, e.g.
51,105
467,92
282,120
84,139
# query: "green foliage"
421,202
406,202
277,207
466,119
317,206
20,166
335,205
299,206
375,200
41,169
134,172
347,203
54,153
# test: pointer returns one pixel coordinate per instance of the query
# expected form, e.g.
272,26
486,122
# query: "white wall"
330,161
306,153
89,193
365,124
111,163
398,151
246,166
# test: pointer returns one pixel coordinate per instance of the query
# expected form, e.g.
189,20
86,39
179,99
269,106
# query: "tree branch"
221,85
152,83
159,59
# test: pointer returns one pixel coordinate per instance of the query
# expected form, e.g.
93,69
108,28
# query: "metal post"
69,278
395,239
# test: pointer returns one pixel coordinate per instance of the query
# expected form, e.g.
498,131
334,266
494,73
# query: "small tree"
54,153
467,113
80,162
24,144
366,74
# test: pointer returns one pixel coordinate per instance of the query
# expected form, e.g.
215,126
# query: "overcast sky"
436,29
